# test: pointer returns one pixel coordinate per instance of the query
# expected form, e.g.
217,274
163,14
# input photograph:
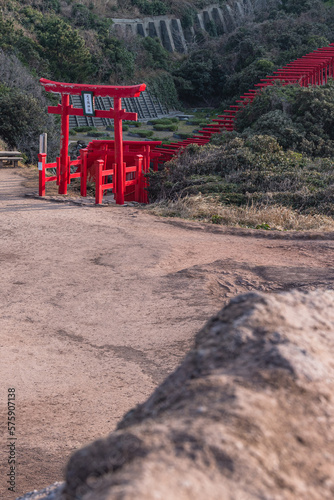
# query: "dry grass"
3,145
207,209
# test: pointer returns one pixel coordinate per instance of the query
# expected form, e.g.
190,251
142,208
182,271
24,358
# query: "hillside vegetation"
282,152
276,171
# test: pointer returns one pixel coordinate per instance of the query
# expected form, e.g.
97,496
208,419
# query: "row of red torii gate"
121,165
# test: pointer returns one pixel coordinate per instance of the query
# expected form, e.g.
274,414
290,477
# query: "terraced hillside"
216,52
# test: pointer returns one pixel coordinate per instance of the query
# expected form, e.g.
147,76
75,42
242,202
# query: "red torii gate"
65,109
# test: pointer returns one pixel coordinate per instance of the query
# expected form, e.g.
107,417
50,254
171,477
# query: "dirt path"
98,305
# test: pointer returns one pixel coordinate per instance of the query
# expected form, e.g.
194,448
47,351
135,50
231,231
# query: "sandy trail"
98,305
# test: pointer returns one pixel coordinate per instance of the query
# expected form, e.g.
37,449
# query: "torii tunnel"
312,69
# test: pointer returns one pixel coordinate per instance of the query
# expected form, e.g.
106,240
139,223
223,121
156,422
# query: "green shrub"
162,86
161,121
160,127
300,118
216,219
114,59
188,16
197,121
242,171
153,8
183,135
155,55
132,123
97,134
23,118
144,133
85,129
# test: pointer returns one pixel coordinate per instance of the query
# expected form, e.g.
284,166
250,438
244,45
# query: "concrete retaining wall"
175,39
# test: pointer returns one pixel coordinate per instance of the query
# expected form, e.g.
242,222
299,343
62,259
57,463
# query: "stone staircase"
146,105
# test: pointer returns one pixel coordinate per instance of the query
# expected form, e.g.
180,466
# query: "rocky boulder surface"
249,413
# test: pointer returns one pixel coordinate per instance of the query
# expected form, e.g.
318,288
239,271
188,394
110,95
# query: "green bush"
188,16
153,8
300,118
115,60
162,121
170,127
144,133
162,86
97,134
200,77
197,121
85,18
17,128
155,55
249,170
296,6
183,135
85,129
132,123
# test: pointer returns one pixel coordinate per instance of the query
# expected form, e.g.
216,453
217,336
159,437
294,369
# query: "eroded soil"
98,305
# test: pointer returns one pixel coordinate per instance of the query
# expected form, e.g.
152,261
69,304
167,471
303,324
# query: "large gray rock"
248,415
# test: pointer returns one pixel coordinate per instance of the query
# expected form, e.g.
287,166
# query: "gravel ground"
99,304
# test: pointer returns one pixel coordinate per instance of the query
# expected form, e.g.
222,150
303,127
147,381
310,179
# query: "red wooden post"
120,187
68,170
65,128
58,170
148,158
83,177
98,182
114,179
139,175
41,168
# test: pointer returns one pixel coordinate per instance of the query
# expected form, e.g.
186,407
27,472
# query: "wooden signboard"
88,103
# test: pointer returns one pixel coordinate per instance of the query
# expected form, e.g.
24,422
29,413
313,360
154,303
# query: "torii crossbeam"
65,109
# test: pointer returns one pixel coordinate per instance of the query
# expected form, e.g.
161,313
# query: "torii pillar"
117,114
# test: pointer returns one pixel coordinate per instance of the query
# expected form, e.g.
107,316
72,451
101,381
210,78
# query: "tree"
65,50
23,119
200,77
156,55
300,118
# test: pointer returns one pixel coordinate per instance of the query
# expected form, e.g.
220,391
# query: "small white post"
43,143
